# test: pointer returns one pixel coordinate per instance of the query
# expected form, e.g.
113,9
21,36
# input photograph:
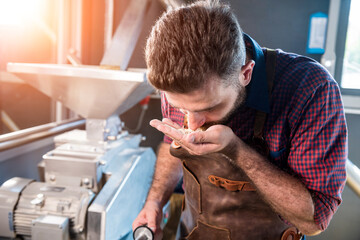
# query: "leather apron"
221,203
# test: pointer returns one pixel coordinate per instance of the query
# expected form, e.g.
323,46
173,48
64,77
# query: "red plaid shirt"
305,129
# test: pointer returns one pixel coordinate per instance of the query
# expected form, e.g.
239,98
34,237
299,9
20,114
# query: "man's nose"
195,120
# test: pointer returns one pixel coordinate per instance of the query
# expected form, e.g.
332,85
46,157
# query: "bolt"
86,181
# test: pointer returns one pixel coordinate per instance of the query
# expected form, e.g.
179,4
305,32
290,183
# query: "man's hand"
217,138
150,215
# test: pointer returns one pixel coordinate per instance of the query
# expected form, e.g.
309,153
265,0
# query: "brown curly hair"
190,43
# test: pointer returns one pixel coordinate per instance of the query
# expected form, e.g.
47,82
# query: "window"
350,78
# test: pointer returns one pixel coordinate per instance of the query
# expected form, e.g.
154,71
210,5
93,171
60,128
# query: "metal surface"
122,197
28,131
143,233
79,137
9,195
89,91
353,177
102,130
44,199
78,162
71,168
50,227
8,141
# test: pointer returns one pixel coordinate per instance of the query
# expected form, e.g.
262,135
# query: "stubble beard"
240,99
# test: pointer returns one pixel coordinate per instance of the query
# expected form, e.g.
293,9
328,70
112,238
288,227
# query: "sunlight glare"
16,12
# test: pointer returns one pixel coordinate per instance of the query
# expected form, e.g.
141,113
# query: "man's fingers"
139,221
152,224
167,129
213,139
202,137
167,121
155,122
171,123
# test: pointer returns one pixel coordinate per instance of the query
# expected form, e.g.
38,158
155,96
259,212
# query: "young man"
269,160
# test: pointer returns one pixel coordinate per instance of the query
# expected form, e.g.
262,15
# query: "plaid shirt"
305,128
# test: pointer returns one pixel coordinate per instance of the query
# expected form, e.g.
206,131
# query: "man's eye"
211,110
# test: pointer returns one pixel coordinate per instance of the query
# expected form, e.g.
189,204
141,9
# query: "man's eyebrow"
207,109
199,110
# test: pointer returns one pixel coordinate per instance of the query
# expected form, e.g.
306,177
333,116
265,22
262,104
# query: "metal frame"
353,177
19,138
112,204
334,52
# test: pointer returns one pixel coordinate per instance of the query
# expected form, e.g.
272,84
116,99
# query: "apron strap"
260,117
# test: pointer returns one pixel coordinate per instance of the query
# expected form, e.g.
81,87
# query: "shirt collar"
257,90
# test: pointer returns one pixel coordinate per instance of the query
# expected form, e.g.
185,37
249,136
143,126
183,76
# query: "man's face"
210,105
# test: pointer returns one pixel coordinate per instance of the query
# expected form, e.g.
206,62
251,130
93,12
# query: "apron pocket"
192,190
208,232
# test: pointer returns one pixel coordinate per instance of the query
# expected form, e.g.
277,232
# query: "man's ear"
246,73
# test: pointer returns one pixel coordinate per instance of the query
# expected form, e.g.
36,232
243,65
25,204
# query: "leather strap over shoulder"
260,117
270,68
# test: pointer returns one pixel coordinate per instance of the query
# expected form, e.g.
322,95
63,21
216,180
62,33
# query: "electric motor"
35,208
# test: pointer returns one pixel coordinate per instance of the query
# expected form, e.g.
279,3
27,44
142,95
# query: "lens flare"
17,12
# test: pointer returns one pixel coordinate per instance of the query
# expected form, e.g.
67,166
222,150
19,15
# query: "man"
269,162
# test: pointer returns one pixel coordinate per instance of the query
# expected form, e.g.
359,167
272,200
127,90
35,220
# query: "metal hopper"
93,91
90,91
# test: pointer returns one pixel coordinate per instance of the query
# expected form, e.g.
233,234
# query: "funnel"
90,91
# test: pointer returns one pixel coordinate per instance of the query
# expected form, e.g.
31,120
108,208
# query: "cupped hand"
217,138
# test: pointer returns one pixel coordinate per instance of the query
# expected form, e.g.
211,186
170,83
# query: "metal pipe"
173,3
63,32
108,23
32,130
11,140
353,177
76,27
10,124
